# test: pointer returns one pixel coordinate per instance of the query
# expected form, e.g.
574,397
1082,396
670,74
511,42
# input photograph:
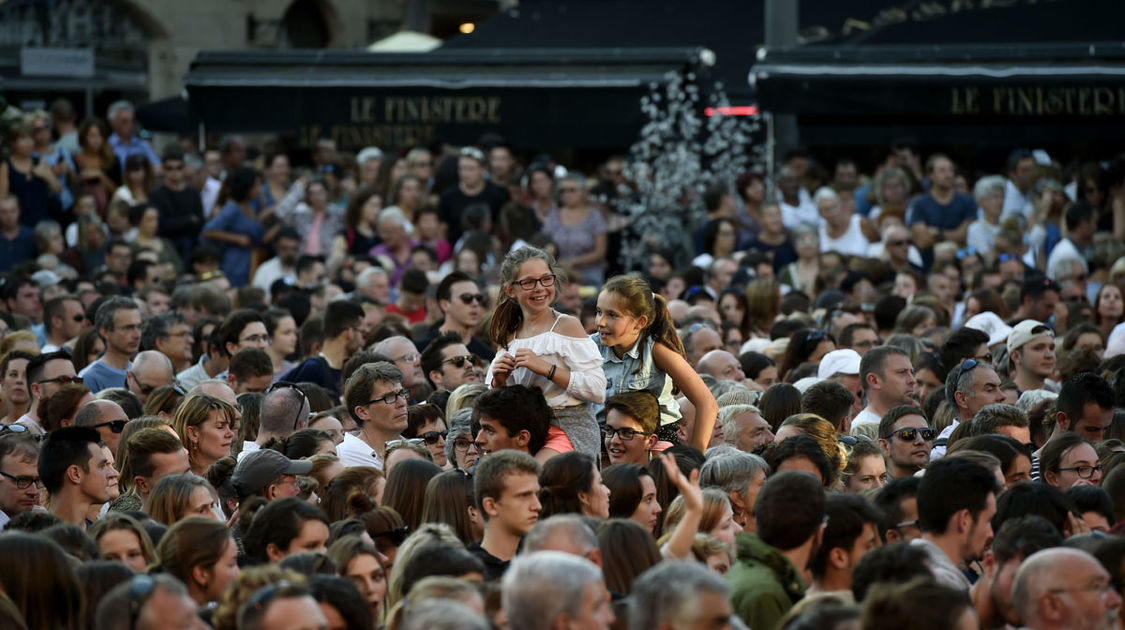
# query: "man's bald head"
1058,588
284,410
721,364
151,369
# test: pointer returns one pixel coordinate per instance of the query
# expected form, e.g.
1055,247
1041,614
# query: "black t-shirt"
453,203
181,211
494,567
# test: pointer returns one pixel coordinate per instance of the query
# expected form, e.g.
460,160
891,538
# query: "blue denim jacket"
635,370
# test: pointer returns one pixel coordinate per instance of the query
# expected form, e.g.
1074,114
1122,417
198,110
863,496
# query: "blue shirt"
236,260
17,250
98,376
635,370
946,217
136,146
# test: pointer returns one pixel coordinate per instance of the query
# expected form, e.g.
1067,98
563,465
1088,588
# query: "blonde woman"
206,426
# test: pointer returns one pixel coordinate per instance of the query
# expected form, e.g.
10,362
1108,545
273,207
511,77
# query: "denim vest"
635,370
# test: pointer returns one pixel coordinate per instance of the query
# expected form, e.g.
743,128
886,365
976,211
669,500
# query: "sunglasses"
966,366
459,362
397,535
19,429
469,298
433,437
908,435
77,380
140,590
287,385
117,426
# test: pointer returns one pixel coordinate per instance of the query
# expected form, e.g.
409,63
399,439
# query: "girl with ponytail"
642,351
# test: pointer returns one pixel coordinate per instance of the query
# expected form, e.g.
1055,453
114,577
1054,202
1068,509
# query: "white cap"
844,361
990,324
756,344
804,384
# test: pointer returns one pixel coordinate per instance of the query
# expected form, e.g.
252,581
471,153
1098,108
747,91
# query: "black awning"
535,98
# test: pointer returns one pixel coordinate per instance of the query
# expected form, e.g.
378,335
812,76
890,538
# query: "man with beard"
744,428
1031,352
462,304
906,439
888,379
1065,588
1017,539
956,502
448,364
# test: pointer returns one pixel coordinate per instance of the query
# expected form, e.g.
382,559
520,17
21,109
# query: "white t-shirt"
866,417
852,243
247,448
355,452
1015,201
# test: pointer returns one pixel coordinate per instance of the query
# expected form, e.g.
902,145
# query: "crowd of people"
417,390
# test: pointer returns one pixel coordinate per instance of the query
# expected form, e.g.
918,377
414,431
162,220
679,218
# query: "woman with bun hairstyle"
641,350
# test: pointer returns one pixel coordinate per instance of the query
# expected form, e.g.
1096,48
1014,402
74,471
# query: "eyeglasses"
480,298
913,523
140,589
23,483
117,426
433,437
966,366
77,380
286,384
908,435
389,399
528,284
145,389
255,339
401,442
1084,472
409,358
1103,588
21,430
459,361
623,434
79,318
398,535
462,444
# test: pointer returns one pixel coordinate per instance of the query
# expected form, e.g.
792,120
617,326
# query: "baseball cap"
259,468
1027,331
990,324
45,278
844,361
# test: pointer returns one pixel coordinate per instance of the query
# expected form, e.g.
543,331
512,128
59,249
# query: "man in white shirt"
956,502
841,230
283,265
795,207
19,458
888,379
1017,190
285,409
377,401
63,320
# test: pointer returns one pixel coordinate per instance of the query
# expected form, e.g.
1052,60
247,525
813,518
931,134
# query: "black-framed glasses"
908,435
1084,472
433,437
459,361
23,483
146,390
390,397
62,380
117,426
398,535
469,298
624,434
140,590
304,398
528,284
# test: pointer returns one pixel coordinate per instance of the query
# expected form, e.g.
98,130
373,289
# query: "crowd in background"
417,389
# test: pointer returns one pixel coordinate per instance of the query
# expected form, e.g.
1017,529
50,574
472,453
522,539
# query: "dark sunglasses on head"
433,437
908,435
287,385
140,589
117,426
468,298
19,429
397,535
62,380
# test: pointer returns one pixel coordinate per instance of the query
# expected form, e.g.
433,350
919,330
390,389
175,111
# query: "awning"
535,98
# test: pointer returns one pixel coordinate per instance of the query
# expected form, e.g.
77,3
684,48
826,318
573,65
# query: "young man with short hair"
888,379
1031,355
517,417
46,374
152,454
448,364
462,304
251,371
377,401
63,320
119,324
506,491
74,469
1085,406
852,531
956,502
906,439
1017,539
343,337
898,501
767,576
631,420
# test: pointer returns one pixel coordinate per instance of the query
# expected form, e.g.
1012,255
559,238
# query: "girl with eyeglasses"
544,348
641,350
